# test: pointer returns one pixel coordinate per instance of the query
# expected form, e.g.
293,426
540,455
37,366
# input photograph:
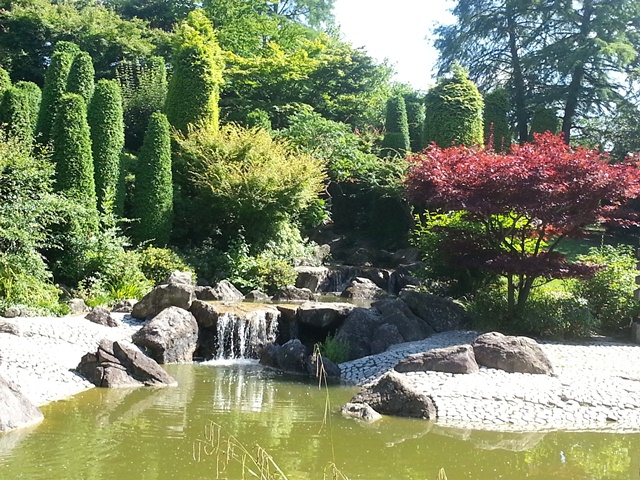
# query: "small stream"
163,434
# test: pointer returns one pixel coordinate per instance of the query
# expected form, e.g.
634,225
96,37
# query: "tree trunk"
518,80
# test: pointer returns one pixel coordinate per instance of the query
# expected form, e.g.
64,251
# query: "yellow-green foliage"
158,263
19,110
194,88
248,181
454,112
81,76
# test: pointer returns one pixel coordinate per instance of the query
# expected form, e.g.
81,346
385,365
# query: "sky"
398,30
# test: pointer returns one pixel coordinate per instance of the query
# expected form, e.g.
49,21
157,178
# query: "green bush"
609,294
153,194
545,120
415,119
55,85
259,118
72,151
194,88
548,313
5,81
81,76
158,263
396,137
496,110
144,91
19,110
454,112
105,117
335,350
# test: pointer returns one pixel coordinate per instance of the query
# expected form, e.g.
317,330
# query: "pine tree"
19,110
194,88
396,137
415,118
496,110
55,85
71,141
81,76
153,196
106,120
454,112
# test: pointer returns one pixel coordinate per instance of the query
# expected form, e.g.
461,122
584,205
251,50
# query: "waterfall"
240,334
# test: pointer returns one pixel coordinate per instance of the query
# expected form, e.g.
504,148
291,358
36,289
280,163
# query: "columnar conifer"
194,88
396,137
496,109
545,120
454,112
415,118
153,197
5,81
19,110
106,121
81,76
55,85
72,151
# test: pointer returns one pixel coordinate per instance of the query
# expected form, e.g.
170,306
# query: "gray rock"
362,257
325,368
179,278
119,364
257,296
268,355
404,276
170,337
383,337
456,359
316,279
124,306
635,332
440,313
405,256
11,312
292,356
293,294
511,354
398,313
393,394
205,313
101,316
16,411
360,411
323,314
362,288
222,291
77,306
357,331
164,296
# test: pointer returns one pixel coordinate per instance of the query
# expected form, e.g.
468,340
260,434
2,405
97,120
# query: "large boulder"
222,291
440,313
511,354
76,306
170,337
405,276
102,316
322,367
179,278
293,294
316,279
456,359
124,306
393,394
257,296
16,410
119,364
409,325
292,356
357,331
162,297
383,337
323,315
362,288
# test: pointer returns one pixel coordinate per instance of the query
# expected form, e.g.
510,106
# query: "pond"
162,434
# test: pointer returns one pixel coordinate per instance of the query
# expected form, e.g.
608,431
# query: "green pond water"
161,434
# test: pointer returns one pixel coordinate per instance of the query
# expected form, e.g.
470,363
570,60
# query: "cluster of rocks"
293,357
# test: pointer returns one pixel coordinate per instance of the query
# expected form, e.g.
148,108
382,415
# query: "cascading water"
240,334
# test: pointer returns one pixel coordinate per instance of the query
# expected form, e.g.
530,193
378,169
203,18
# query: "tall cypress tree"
396,137
71,141
194,88
153,195
415,118
81,76
19,110
55,85
496,110
454,112
106,120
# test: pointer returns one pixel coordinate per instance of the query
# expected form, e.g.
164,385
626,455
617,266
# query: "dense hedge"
19,110
415,119
105,117
545,120
55,85
396,137
454,112
72,151
5,81
81,76
194,89
496,110
153,195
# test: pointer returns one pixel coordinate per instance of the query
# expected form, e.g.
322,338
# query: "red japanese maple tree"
526,202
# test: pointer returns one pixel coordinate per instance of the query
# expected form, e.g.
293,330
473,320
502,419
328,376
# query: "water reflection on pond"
155,434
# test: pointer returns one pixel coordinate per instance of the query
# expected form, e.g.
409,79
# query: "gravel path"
596,385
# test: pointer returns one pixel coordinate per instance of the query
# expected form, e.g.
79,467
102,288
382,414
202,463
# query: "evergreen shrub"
158,263
415,119
396,138
545,120
496,124
81,76
19,110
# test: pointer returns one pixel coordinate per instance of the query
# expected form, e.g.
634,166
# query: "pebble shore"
595,386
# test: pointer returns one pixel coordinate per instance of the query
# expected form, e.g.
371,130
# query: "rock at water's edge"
170,337
16,410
